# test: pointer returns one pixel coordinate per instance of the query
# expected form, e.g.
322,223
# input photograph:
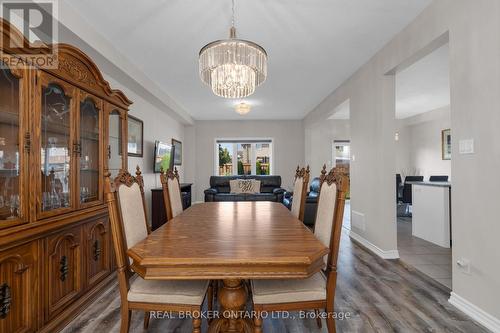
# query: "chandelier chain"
232,19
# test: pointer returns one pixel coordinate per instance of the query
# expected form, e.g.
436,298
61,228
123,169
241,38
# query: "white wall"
472,27
319,139
403,151
288,147
418,150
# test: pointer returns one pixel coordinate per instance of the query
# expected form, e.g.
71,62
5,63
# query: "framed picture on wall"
177,152
446,144
135,142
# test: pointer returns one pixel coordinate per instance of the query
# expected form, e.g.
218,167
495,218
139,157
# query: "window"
263,158
243,157
341,153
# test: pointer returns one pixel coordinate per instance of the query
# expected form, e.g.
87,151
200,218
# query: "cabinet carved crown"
77,71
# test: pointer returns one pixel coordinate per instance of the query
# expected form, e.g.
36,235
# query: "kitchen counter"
427,183
431,212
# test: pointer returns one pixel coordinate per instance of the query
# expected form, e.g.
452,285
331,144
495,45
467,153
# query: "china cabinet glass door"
89,128
116,159
56,119
12,203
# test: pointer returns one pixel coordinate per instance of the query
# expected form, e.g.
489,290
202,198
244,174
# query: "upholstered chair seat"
284,291
168,292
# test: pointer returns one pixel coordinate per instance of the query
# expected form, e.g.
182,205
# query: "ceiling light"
242,108
233,67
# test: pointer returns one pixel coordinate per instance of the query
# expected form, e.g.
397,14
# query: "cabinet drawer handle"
97,250
27,142
63,268
77,148
5,300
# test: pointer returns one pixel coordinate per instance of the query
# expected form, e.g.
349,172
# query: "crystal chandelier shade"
233,67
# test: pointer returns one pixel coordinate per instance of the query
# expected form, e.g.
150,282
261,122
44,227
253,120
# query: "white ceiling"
313,45
425,85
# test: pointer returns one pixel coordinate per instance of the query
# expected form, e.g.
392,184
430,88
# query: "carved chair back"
171,192
127,214
330,214
300,192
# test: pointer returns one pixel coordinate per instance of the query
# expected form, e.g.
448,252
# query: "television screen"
163,156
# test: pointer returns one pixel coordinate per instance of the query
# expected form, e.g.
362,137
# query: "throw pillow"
239,186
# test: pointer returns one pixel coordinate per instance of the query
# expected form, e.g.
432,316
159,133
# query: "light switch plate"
466,146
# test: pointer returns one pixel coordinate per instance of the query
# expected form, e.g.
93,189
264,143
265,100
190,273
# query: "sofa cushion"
315,183
260,197
244,197
228,197
267,182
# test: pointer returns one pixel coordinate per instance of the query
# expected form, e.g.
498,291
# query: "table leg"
233,298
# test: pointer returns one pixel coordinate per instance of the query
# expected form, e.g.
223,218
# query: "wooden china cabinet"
59,130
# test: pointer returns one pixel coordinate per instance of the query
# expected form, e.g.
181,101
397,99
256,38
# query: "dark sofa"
311,202
270,189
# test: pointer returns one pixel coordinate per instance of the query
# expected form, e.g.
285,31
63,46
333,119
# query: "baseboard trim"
391,254
479,315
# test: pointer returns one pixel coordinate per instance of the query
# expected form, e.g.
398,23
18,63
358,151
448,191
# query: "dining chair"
300,192
407,188
318,291
171,192
127,214
438,178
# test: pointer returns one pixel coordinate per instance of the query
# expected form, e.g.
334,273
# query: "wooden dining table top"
230,240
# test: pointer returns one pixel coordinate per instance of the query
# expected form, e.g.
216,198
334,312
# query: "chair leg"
249,288
147,315
125,324
216,288
318,319
330,321
196,325
257,323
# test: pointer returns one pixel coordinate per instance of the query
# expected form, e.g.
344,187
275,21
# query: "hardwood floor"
430,259
379,295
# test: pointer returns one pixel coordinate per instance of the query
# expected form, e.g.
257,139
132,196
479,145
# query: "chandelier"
233,67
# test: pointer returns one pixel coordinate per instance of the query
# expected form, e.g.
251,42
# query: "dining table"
231,242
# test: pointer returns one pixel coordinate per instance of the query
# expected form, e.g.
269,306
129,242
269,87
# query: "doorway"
423,166
341,157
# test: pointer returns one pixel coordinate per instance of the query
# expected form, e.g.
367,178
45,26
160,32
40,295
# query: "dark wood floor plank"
379,295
